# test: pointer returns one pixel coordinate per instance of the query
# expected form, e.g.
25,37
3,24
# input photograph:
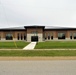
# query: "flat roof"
34,26
13,29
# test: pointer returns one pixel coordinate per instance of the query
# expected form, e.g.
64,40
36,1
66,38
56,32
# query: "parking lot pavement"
49,67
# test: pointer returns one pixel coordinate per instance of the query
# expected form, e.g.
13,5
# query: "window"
35,33
21,37
18,36
70,35
51,36
48,36
61,35
24,36
9,37
74,35
45,36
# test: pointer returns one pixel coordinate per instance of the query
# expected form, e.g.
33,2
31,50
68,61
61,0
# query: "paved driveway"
52,67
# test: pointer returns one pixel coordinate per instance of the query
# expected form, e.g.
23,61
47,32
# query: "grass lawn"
33,53
56,44
10,45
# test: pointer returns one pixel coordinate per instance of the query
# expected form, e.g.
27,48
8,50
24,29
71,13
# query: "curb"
36,58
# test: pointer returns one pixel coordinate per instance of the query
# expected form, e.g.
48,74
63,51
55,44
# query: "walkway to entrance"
30,46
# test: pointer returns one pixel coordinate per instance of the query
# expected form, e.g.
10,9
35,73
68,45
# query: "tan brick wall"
15,33
20,32
71,31
30,30
39,30
39,33
2,34
55,33
52,33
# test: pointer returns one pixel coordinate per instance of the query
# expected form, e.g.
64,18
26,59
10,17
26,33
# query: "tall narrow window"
24,36
61,35
48,36
45,36
51,36
70,35
21,37
18,36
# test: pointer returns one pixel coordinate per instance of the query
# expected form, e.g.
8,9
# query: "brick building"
38,33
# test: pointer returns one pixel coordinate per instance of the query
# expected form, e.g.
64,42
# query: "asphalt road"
52,67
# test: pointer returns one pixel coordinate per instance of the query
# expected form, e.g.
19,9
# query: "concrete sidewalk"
30,46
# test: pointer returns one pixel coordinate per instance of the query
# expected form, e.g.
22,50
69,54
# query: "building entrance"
34,38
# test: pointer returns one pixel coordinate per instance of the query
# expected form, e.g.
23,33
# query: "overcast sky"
37,12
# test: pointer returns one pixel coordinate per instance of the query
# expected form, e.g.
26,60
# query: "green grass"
40,45
56,44
10,45
33,53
